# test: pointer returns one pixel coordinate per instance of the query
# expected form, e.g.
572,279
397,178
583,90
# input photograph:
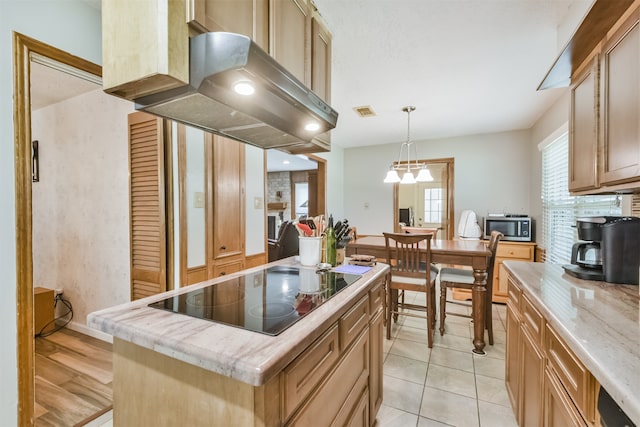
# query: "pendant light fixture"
408,177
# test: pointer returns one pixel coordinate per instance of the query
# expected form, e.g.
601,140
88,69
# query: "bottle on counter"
330,234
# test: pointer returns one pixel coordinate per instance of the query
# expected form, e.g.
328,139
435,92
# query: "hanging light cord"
408,144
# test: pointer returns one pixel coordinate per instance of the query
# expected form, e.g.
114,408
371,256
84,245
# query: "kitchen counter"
250,357
599,321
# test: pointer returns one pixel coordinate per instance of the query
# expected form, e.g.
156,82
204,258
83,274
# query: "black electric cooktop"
267,301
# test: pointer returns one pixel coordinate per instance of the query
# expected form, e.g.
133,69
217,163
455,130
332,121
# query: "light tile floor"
446,385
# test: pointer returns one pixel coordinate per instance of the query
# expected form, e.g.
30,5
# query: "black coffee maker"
608,250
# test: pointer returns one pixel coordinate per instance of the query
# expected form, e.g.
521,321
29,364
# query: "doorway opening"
32,59
295,188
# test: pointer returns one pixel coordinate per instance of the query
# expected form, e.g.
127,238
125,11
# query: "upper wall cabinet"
583,130
247,17
142,55
604,140
621,105
290,34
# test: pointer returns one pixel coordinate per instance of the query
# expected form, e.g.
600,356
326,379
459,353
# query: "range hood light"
244,87
312,127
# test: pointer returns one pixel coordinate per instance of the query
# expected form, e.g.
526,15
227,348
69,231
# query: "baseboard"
84,329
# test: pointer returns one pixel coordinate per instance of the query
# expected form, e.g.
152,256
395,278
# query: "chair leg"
443,303
488,320
431,311
388,312
384,302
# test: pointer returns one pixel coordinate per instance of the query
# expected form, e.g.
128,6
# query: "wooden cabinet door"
500,280
320,59
376,329
148,229
289,23
321,67
531,382
558,408
228,198
621,105
512,357
583,130
247,17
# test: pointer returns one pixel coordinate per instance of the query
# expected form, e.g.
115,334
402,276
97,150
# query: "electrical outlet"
58,292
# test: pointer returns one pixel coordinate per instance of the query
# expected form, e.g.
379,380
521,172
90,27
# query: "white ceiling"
468,66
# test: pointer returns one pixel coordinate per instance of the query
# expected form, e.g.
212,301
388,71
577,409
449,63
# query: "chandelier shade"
408,176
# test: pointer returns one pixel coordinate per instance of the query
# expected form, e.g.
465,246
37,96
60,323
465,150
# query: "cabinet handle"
223,248
222,273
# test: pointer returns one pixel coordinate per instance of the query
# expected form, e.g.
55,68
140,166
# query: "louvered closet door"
147,205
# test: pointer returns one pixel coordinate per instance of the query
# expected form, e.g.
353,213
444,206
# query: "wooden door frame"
23,48
450,162
322,182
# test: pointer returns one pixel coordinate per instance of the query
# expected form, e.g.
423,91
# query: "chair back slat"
404,254
493,247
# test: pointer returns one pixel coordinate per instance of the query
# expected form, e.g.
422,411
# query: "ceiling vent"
364,111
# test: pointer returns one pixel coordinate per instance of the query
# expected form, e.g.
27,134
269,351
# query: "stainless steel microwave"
516,228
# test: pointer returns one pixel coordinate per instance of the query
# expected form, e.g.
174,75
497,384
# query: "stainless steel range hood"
276,115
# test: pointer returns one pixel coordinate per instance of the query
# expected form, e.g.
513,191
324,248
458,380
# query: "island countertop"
599,321
246,356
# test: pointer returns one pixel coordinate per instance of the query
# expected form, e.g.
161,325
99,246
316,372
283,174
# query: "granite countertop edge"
616,357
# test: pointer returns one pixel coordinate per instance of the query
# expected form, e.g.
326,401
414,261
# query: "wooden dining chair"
408,273
463,278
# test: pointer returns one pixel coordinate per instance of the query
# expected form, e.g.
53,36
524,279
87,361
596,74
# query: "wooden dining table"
472,253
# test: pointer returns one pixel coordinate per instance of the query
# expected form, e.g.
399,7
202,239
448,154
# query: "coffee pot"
608,249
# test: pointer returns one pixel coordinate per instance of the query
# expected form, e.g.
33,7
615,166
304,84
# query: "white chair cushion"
413,280
457,275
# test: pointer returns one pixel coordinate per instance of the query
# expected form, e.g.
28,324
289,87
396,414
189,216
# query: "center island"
324,369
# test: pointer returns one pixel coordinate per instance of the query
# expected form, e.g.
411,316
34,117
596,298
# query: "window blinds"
559,209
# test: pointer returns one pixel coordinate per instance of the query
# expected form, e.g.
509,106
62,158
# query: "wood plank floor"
73,379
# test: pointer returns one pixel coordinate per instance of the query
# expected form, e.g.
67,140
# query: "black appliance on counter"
267,301
608,250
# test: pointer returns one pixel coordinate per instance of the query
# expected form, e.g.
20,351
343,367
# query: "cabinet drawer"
332,397
354,322
515,294
532,321
514,251
376,296
303,374
573,375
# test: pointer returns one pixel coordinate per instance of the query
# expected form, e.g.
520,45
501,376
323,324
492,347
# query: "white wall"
492,174
75,27
553,119
255,233
81,203
336,188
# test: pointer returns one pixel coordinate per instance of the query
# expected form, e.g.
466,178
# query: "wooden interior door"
148,226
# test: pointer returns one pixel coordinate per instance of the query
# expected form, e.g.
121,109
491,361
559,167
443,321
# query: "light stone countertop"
247,356
599,321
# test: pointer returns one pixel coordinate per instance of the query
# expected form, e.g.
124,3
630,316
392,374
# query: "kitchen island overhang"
348,327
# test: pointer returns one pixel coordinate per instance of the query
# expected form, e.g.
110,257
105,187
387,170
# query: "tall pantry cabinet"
226,216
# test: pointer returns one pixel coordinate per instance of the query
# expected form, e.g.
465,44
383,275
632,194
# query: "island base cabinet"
335,381
150,388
